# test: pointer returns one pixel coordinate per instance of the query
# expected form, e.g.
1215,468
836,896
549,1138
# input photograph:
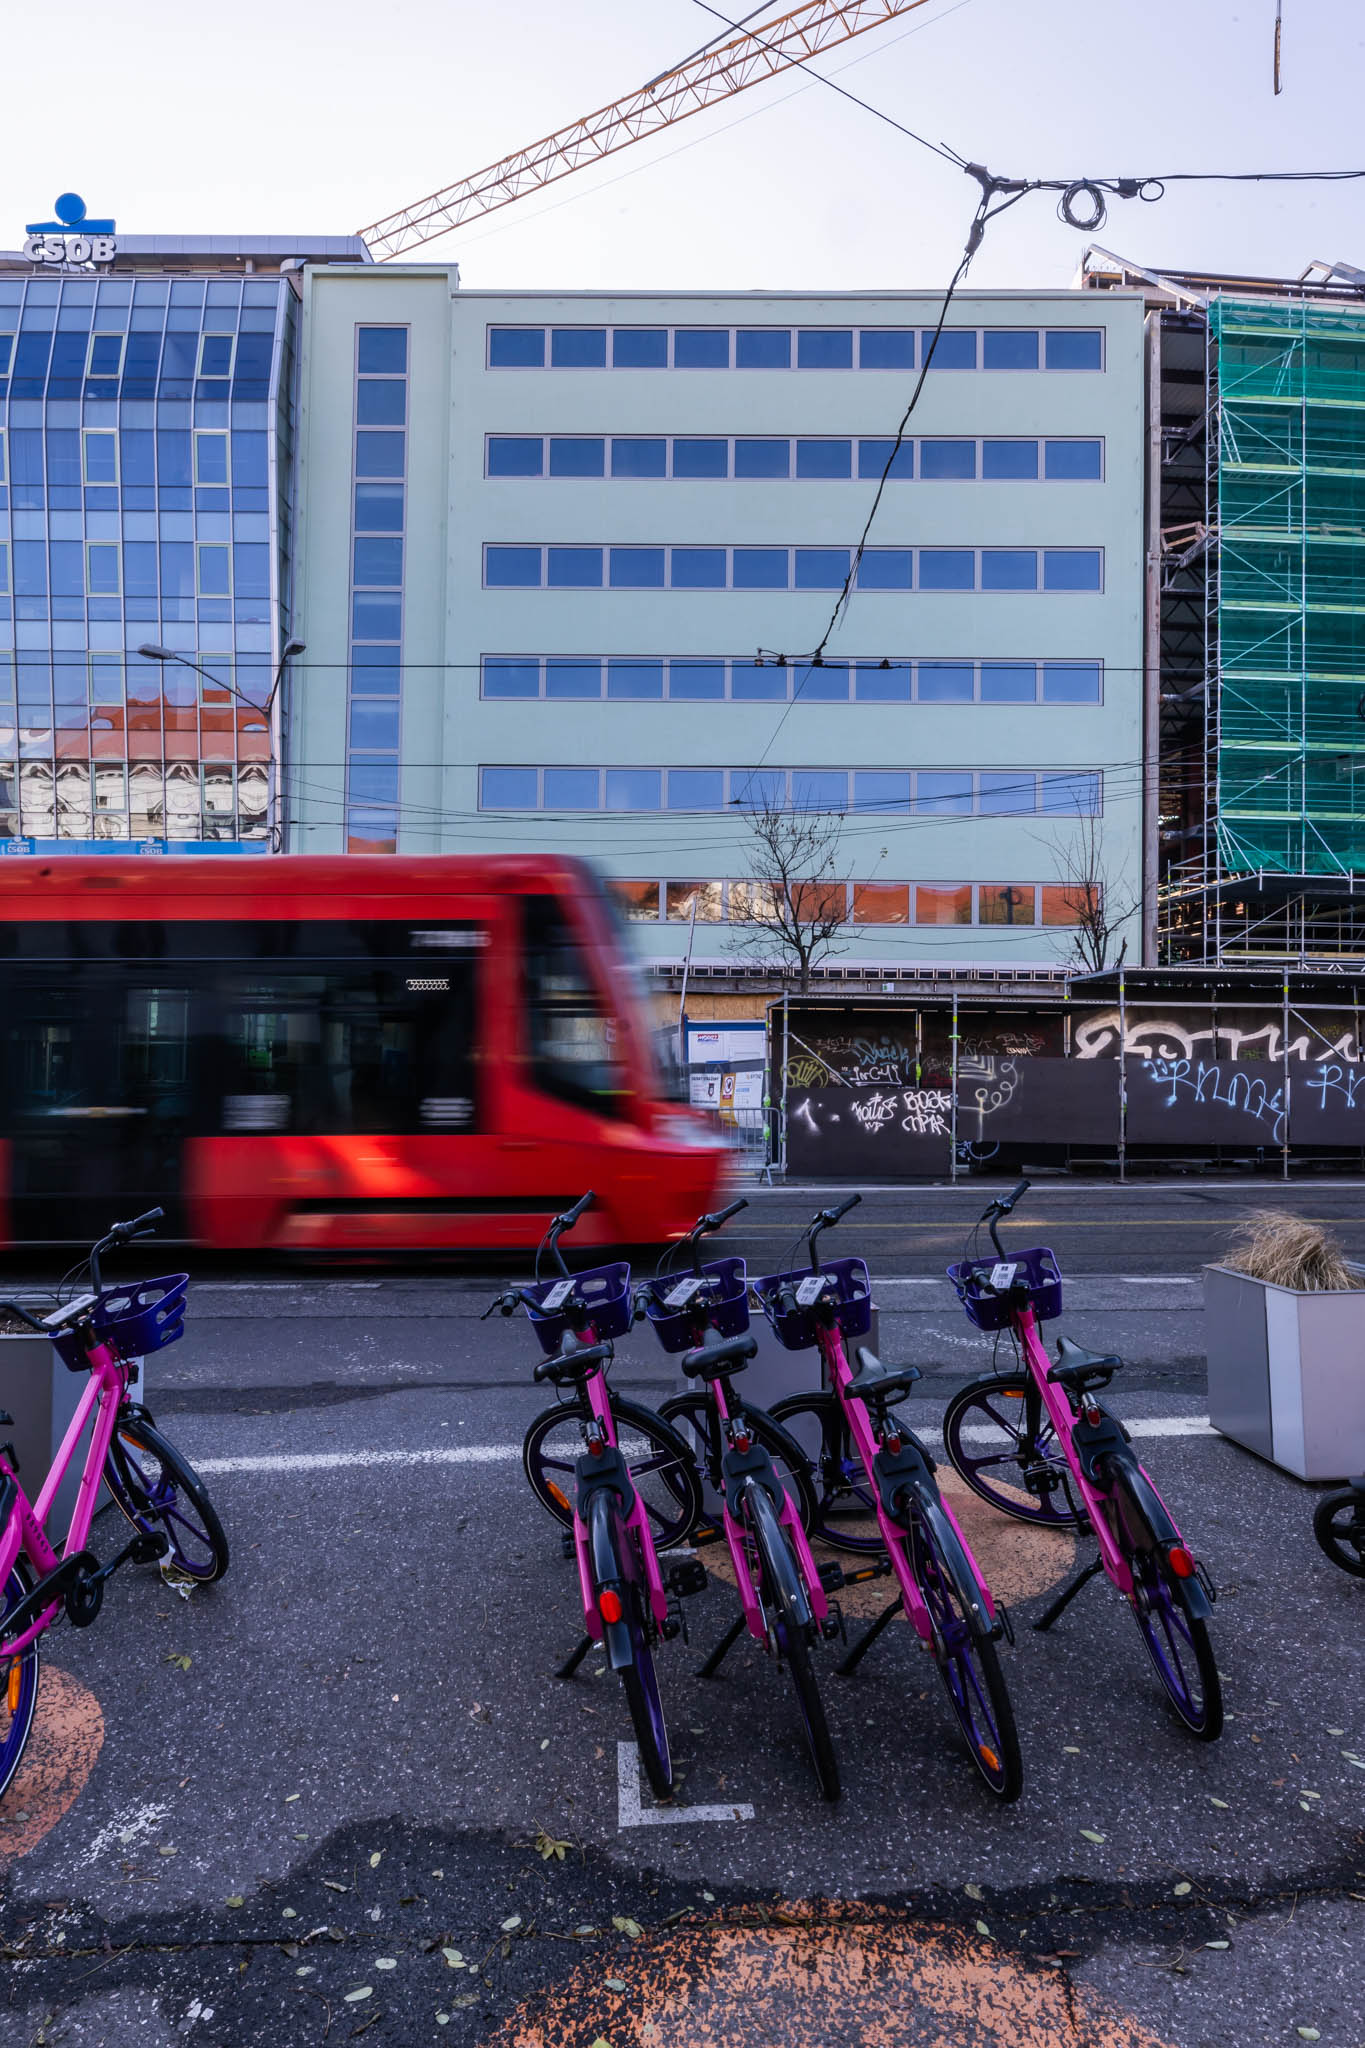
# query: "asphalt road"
324,1799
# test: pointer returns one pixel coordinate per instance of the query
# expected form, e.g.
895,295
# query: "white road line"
631,1811
1156,1280
508,1454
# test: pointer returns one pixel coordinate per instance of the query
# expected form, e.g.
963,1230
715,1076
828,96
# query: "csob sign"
70,239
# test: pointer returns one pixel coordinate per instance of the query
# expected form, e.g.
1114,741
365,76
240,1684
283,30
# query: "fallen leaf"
550,1845
167,1850
375,1856
1218,1944
615,1983
288,1913
290,1797
333,1886
1336,1731
512,1921
1219,1802
454,1958
624,1925
1070,1749
365,1991
306,1970
1308,2033
585,1930
466,1998
1181,1890
174,1657
1091,1835
443,2019
235,1900
973,1891
438,1873
982,1928
391,1962
546,1743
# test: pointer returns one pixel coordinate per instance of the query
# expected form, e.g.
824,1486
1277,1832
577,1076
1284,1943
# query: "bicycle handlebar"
1001,1208
571,1216
13,1308
122,1233
824,1219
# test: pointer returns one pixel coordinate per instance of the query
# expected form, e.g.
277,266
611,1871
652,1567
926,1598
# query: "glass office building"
147,419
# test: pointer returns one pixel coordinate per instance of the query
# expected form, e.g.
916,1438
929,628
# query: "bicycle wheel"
1180,1650
844,1515
158,1490
1339,1528
965,1655
658,1460
780,1590
696,1421
18,1687
998,1437
641,1687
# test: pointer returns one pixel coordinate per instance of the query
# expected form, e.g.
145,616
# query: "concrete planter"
1287,1372
42,1396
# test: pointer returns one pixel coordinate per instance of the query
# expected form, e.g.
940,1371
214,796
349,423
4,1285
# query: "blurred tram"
331,1054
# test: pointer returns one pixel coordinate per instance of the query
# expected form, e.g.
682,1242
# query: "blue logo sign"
71,219
71,240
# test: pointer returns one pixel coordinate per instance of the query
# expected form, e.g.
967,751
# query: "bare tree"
1098,903
797,892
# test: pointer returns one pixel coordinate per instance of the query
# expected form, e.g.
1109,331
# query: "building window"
213,564
102,568
802,348
934,792
106,355
210,458
374,707
215,354
531,567
741,679
829,459
99,450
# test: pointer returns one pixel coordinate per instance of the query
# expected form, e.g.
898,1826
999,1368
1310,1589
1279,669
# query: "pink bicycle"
633,1482
1036,1442
941,1590
156,1489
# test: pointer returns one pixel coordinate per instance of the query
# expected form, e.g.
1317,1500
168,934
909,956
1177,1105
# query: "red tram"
327,1054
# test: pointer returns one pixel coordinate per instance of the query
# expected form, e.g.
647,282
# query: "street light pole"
275,821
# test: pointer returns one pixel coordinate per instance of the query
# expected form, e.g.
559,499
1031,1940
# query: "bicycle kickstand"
868,1638
722,1649
1068,1594
574,1659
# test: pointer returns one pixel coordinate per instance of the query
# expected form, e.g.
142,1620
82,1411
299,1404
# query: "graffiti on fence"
1181,1084
924,1112
1157,1037
861,1061
984,1086
1339,1088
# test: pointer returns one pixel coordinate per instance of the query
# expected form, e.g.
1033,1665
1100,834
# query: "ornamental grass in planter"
1285,1329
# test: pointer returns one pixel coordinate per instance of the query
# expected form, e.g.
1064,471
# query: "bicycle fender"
785,1577
605,1537
910,1466
607,1473
1096,1443
791,1449
928,1505
750,1468
1146,1513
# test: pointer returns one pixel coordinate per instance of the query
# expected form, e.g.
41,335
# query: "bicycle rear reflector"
1180,1561
609,1605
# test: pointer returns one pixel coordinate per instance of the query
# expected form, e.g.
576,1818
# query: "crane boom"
713,74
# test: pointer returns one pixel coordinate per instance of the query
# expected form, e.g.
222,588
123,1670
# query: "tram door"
95,1091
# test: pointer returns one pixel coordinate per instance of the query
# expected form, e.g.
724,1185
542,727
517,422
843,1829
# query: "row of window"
819,458
868,903
190,354
684,680
178,364
72,568
97,453
372,714
40,674
939,792
79,296
730,568
800,348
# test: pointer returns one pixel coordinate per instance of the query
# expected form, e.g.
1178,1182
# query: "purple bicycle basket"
605,1292
991,1311
795,1328
132,1320
725,1308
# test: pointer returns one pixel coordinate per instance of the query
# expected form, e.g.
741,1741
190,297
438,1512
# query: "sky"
298,116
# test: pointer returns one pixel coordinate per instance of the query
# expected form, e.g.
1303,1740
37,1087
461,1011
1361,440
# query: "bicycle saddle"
1077,1367
874,1382
574,1362
716,1361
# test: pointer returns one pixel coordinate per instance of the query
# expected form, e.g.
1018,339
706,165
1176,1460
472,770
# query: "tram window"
574,1051
353,1050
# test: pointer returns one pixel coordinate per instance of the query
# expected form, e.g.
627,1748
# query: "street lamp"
150,652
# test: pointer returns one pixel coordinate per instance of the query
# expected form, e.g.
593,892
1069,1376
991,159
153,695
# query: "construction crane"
715,72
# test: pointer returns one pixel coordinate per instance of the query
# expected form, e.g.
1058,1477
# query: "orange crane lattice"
713,74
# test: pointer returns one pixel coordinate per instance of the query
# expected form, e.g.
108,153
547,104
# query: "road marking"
509,1454
631,1811
1156,1280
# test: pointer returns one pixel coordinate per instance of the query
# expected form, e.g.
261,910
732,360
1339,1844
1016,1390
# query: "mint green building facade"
551,547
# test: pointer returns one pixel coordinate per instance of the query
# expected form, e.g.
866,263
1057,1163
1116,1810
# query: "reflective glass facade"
147,429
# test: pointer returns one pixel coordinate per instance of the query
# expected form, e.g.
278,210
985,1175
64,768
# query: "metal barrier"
744,1125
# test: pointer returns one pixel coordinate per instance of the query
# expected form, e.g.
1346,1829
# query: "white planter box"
42,1396
1287,1372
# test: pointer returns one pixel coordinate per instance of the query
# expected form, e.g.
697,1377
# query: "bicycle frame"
636,1521
26,1527
796,1535
838,1372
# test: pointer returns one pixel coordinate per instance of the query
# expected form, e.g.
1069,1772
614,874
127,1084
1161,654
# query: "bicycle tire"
839,1482
1178,1648
640,1684
778,1583
672,1502
696,1421
977,1407
153,1484
16,1720
964,1652
1339,1529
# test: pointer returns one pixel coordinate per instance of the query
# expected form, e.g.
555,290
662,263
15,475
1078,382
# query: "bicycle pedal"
833,1626
710,1532
832,1575
687,1578
671,1627
148,1549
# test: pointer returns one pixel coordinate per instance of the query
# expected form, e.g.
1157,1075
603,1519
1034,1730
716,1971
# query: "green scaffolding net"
1291,585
